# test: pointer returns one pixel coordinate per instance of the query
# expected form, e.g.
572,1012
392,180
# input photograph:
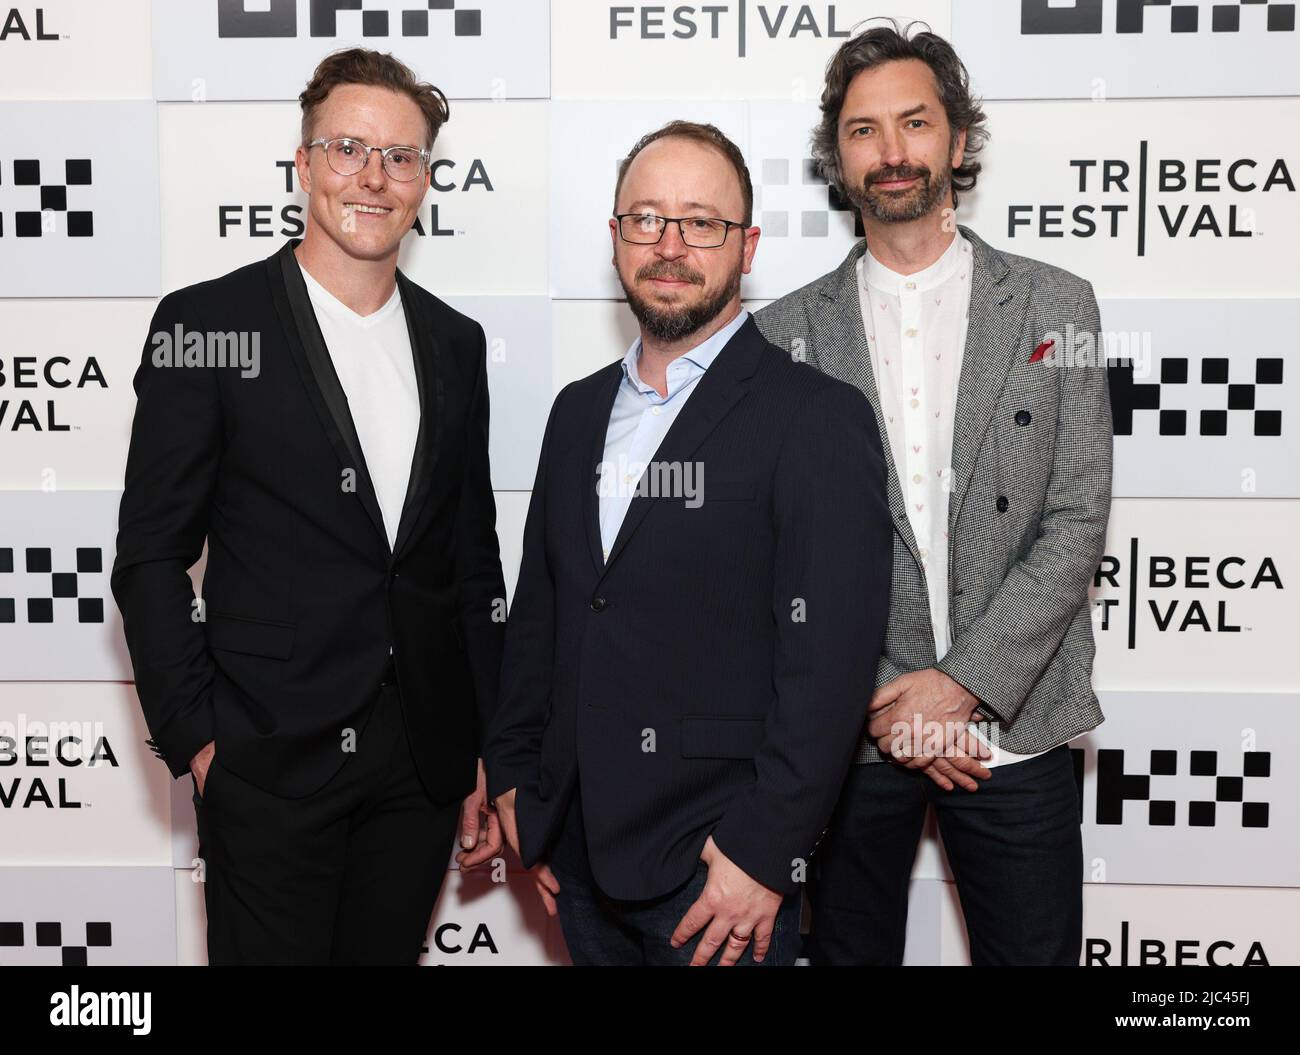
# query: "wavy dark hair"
887,43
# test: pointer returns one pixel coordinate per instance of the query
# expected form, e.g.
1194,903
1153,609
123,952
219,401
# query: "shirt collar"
701,356
876,275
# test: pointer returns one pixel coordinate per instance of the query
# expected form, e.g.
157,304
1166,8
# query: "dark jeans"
603,932
1014,848
346,875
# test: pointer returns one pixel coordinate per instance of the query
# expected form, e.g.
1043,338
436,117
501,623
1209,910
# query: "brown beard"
673,323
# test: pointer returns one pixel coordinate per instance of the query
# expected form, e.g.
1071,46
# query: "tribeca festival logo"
49,934
48,754
1052,18
1204,789
1127,951
1228,398
740,18
1162,197
25,372
447,176
49,586
49,197
26,23
279,18
1211,590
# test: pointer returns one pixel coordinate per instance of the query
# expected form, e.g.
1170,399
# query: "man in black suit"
329,692
701,602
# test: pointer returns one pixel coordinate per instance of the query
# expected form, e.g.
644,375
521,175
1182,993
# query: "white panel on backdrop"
79,200
267,49
1169,926
58,619
1203,400
479,230
191,920
1198,596
1087,49
518,331
512,511
87,916
1146,199
78,785
1137,926
732,49
1192,788
482,923
805,232
66,399
75,49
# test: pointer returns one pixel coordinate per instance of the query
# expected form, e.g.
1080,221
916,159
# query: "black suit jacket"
302,595
713,677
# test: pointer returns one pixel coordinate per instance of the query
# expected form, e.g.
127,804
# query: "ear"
958,148
302,163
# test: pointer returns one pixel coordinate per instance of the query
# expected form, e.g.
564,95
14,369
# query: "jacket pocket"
721,737
254,637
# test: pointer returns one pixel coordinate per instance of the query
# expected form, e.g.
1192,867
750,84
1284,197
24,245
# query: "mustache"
902,172
666,269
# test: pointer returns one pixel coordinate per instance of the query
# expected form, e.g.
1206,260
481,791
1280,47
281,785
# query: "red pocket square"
1041,351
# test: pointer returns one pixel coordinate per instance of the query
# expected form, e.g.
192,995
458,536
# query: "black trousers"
346,875
1014,847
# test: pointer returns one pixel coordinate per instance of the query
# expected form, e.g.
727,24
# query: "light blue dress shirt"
640,419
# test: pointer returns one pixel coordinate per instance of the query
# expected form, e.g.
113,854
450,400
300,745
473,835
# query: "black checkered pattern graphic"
78,223
63,584
99,935
280,19
1115,787
1127,397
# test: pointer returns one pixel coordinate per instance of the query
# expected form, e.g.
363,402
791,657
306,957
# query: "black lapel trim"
312,357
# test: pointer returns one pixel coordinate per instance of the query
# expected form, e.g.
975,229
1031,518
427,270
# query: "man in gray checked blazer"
989,386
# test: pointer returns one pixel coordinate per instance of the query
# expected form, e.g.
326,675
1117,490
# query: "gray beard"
903,210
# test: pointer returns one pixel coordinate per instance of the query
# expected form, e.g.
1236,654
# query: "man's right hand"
199,764
547,885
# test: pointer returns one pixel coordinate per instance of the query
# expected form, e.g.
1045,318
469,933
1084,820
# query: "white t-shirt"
372,357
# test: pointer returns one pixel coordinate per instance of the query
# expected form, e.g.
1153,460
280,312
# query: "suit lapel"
427,354
594,446
720,389
840,340
997,308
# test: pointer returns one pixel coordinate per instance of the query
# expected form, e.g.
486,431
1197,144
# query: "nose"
671,246
893,153
373,175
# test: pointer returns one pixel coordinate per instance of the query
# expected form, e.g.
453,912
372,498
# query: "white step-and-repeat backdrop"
1153,148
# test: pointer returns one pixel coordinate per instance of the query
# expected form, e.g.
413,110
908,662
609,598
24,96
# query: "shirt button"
916,478
925,553
655,410
911,332
916,403
909,285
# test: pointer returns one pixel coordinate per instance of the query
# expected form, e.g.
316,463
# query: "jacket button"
1023,417
1002,503
598,604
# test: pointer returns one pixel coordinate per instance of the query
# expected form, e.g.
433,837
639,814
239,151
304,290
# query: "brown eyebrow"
910,112
655,203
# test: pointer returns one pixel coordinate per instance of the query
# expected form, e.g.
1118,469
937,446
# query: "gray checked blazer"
1031,479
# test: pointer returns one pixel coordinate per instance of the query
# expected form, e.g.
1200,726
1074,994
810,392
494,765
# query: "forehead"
364,110
897,84
676,170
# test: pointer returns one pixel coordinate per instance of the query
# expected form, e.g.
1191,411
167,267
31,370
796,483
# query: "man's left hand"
480,828
732,910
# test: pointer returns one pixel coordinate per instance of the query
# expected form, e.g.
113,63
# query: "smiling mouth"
370,210
894,184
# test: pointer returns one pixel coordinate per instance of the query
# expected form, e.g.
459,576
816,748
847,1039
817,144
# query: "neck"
656,355
363,285
909,247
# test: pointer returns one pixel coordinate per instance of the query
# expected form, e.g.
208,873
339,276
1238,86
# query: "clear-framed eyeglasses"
699,232
347,157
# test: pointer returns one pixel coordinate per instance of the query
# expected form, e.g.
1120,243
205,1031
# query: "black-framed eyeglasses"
347,157
698,232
